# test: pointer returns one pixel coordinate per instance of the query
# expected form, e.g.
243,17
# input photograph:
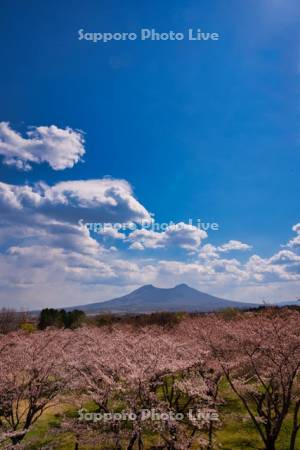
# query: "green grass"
41,435
236,432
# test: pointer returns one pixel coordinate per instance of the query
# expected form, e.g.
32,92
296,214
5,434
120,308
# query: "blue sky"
204,130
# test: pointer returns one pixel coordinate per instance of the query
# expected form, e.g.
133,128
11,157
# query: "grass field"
236,432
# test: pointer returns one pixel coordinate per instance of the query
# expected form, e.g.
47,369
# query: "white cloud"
284,257
103,200
295,242
33,272
296,228
210,251
45,250
111,232
137,246
234,245
180,235
60,148
213,272
269,270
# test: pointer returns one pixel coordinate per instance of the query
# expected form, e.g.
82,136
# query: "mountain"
150,299
288,303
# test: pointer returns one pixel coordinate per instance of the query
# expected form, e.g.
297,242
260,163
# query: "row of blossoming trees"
173,373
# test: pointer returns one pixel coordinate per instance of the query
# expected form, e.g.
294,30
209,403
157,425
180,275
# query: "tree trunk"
17,439
210,436
140,443
296,426
132,441
270,446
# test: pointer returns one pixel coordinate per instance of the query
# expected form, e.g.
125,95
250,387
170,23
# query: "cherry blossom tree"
149,369
259,354
295,414
31,368
123,366
152,357
94,365
203,378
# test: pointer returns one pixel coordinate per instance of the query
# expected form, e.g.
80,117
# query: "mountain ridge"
148,298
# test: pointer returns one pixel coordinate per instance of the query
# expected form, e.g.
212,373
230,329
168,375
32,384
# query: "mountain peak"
146,287
182,285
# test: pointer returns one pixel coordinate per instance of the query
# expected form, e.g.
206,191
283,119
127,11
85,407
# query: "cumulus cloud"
210,251
295,242
283,266
69,275
44,246
206,276
217,274
112,233
103,200
234,245
284,257
60,148
180,235
296,228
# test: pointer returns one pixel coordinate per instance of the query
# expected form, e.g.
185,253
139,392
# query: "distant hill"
148,299
288,303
